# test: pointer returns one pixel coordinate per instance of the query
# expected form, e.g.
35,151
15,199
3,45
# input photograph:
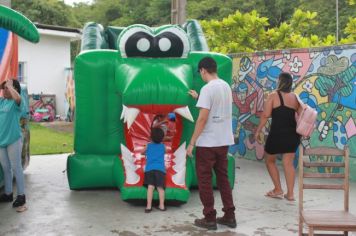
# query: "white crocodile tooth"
181,151
179,178
131,177
125,151
178,167
130,116
123,112
185,112
127,156
130,168
180,158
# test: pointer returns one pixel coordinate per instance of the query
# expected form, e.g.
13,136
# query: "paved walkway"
55,210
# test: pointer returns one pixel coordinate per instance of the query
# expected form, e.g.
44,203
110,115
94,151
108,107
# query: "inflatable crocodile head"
120,92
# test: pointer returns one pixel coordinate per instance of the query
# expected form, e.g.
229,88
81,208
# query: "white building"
5,2
44,66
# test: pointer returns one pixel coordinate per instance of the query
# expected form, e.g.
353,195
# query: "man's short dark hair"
15,84
157,135
209,64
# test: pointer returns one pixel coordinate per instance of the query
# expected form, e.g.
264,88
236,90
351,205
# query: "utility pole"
5,2
337,22
178,11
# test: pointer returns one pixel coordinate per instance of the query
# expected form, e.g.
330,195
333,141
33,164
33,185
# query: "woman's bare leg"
273,172
289,172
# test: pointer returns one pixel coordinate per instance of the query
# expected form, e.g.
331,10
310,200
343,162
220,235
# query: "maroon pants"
208,159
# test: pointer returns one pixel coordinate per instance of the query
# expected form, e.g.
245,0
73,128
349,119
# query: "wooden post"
178,11
300,183
337,22
346,183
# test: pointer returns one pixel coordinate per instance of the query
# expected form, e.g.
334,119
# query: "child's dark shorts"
156,178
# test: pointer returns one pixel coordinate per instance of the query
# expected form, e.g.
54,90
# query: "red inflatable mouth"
139,134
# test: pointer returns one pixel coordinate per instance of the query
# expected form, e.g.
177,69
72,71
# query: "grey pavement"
53,209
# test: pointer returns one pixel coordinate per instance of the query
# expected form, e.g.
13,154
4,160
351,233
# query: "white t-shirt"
216,96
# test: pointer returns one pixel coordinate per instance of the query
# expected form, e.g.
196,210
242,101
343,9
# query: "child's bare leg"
161,197
149,196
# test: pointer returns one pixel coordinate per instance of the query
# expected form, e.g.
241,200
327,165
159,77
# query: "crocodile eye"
143,45
164,44
139,41
136,42
173,42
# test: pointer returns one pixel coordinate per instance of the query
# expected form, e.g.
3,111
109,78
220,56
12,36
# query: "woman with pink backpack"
282,106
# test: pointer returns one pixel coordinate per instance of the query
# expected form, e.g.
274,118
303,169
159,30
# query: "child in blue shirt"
155,172
11,142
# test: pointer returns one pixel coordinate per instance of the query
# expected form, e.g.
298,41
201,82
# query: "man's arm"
193,93
199,127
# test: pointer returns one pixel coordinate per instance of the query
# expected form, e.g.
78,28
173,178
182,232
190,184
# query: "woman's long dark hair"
15,84
285,82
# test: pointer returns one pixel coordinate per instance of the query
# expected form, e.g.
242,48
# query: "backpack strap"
280,98
301,103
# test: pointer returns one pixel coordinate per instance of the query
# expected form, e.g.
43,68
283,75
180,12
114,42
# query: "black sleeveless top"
282,137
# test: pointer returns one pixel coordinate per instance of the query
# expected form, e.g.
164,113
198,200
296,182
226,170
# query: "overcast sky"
70,2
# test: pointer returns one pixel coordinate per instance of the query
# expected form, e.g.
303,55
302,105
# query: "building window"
22,72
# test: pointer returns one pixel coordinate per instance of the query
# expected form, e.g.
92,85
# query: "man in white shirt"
212,136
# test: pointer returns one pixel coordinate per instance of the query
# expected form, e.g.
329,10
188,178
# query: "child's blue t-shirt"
155,157
10,130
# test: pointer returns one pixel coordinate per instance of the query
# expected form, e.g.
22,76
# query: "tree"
249,32
229,25
127,12
50,12
350,32
133,12
236,33
327,16
83,13
159,12
277,11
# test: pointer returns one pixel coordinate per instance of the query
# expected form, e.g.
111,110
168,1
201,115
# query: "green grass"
48,141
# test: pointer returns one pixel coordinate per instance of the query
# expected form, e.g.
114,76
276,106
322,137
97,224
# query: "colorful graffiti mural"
324,78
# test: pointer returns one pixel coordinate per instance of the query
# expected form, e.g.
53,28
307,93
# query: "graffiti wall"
324,78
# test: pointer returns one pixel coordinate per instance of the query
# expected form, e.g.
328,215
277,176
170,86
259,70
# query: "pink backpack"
306,119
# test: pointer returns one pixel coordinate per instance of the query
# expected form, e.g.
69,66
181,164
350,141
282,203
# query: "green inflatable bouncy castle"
124,78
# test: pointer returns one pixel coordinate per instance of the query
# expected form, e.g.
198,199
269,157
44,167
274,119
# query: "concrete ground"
53,209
